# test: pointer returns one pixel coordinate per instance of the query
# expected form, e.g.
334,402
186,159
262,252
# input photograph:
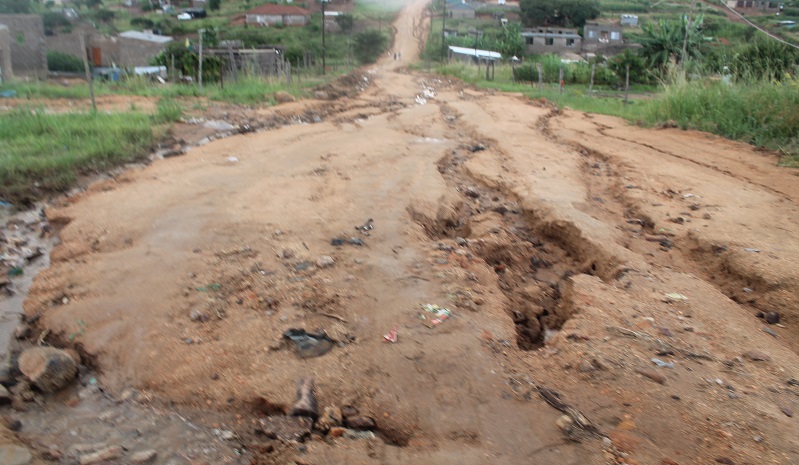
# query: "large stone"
360,422
283,97
48,368
14,455
331,417
144,456
5,396
103,455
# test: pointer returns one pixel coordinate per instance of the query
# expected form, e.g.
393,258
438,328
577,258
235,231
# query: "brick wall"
28,49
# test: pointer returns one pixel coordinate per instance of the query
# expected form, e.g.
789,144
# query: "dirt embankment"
619,267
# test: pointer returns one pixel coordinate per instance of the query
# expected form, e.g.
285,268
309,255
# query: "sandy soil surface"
571,250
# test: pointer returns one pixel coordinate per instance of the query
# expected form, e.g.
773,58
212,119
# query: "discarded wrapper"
674,297
391,336
438,314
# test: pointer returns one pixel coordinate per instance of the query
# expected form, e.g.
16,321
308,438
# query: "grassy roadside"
248,90
760,113
42,153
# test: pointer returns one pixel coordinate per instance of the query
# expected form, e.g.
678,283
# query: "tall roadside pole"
443,35
200,74
86,70
324,65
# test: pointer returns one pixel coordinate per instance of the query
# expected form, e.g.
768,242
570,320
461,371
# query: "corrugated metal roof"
550,34
473,52
270,9
145,36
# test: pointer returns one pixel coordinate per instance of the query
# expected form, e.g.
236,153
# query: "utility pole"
685,39
443,27
86,70
324,66
200,73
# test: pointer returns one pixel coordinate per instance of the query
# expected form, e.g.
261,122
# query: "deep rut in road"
532,258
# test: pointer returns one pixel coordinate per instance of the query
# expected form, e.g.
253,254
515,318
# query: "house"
552,40
5,55
471,55
629,20
28,48
126,50
273,15
461,11
604,38
754,6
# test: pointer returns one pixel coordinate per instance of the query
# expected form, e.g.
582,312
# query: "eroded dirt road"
572,249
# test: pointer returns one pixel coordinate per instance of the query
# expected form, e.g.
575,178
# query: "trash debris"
337,241
771,318
391,336
770,332
210,287
305,405
8,93
662,364
16,271
366,227
286,428
232,159
674,297
309,345
352,434
302,266
578,419
438,316
752,250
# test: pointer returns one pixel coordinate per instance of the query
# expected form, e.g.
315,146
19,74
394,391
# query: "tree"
105,15
53,21
510,42
345,22
664,44
15,6
213,5
638,71
369,45
561,13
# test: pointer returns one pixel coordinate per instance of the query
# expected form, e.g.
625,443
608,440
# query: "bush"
53,21
369,45
64,62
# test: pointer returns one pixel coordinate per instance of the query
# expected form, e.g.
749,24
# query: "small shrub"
63,62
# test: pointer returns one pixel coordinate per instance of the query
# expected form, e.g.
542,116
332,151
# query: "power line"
758,28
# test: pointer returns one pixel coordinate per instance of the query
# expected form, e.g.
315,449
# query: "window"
549,41
739,4
529,40
570,42
615,36
592,34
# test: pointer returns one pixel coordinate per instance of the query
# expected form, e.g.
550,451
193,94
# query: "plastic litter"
675,297
210,287
391,336
434,315
366,227
662,364
309,345
752,250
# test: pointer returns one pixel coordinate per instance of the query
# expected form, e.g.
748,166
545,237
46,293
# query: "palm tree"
663,45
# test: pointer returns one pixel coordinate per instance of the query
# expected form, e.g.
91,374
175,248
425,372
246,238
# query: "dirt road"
571,249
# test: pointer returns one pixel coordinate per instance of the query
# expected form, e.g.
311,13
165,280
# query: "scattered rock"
22,331
331,417
461,241
103,455
283,97
286,428
725,460
5,396
287,253
771,318
48,368
306,405
565,423
471,192
348,411
325,261
788,412
144,456
336,432
652,374
14,455
198,315
757,356
360,422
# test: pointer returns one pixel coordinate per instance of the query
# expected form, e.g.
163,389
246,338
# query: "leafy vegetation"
42,153
563,13
369,45
64,62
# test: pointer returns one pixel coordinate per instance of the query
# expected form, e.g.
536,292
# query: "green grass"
611,101
249,90
760,113
42,153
